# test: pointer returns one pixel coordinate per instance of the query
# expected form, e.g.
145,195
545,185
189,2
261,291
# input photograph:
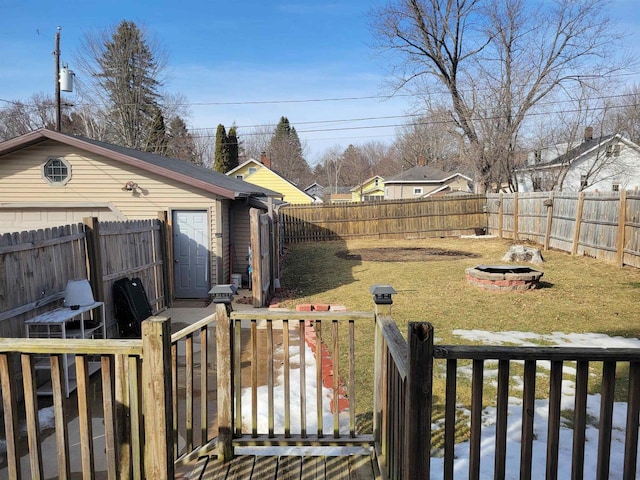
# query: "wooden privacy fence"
262,253
36,265
34,269
603,226
433,217
135,249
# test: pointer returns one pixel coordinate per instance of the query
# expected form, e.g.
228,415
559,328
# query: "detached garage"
49,178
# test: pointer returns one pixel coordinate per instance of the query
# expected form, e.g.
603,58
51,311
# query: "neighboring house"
260,173
315,191
423,181
49,179
337,194
370,190
608,163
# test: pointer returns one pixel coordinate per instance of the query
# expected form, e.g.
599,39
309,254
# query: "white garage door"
14,219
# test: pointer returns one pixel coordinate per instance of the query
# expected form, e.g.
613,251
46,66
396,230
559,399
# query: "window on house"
536,183
376,182
616,150
615,187
609,150
252,170
417,190
583,181
56,171
239,177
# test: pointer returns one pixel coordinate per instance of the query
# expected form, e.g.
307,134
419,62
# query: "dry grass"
579,294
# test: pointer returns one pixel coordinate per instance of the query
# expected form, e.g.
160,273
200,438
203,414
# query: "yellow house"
259,173
369,190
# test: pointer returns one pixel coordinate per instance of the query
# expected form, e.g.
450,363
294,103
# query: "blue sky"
227,57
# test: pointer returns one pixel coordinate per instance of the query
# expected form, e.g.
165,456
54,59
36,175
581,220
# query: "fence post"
165,242
256,260
547,233
515,216
224,364
500,211
157,399
576,231
417,417
94,256
622,220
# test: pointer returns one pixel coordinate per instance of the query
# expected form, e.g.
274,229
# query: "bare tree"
496,60
330,167
255,141
382,157
432,139
625,117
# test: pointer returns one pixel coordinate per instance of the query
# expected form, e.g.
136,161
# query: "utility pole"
56,53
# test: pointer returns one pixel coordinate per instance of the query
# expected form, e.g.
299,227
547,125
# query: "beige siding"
94,180
42,215
98,180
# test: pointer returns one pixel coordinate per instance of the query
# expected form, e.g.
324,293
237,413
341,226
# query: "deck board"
248,467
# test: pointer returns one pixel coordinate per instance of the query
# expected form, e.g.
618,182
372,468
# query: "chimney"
265,160
588,134
421,161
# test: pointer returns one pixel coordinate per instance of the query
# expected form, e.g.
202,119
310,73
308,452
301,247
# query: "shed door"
191,254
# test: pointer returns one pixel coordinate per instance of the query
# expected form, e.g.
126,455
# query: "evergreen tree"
221,163
287,155
126,74
181,143
233,148
157,135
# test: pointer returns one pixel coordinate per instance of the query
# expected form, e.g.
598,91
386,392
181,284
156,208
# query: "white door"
191,254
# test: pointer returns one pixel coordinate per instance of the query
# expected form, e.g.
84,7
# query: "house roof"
180,170
260,166
423,174
243,164
585,148
314,185
357,187
574,153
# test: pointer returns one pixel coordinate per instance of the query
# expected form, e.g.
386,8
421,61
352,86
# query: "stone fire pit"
503,277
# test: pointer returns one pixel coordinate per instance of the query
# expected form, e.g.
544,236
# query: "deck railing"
404,373
120,387
153,404
193,373
268,353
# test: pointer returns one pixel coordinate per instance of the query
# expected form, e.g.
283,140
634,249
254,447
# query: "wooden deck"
249,467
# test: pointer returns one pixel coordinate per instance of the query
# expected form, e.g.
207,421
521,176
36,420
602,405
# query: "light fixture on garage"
130,186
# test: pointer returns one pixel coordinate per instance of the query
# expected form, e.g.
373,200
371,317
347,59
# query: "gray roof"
578,151
180,170
421,174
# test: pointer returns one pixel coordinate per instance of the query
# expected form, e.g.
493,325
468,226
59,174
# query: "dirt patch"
416,254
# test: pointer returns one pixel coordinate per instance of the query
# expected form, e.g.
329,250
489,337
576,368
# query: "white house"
606,164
